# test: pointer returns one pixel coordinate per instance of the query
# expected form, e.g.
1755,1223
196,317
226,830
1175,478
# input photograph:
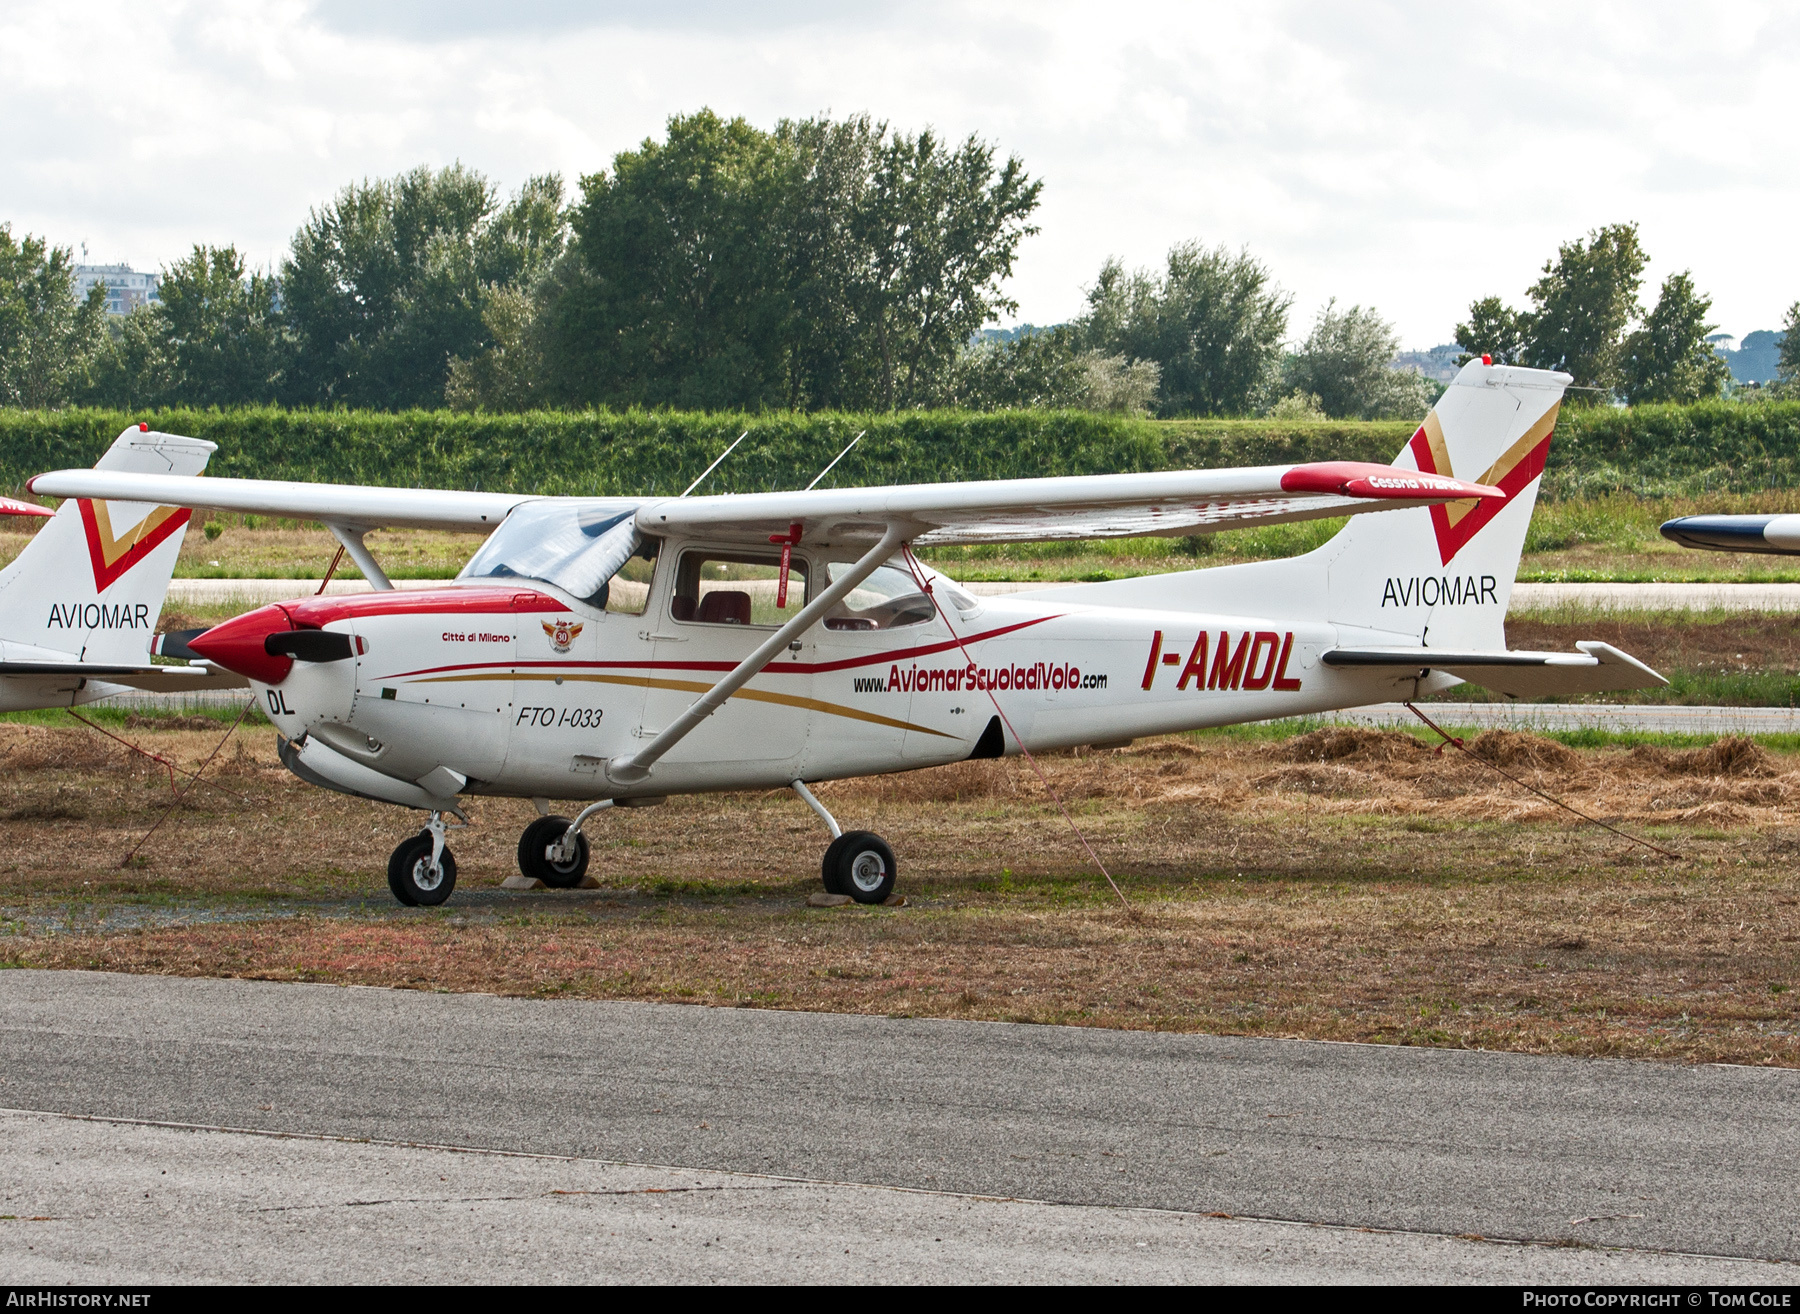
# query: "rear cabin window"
723,588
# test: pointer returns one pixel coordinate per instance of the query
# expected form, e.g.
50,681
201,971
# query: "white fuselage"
526,692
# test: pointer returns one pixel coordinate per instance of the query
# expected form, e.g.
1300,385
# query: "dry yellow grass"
1347,884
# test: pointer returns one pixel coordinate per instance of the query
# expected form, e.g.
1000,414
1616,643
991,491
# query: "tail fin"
1444,574
1439,576
92,581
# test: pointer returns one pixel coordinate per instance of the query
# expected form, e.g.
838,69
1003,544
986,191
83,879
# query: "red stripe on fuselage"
773,668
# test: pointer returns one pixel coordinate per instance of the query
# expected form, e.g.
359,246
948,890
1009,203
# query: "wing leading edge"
1163,503
362,505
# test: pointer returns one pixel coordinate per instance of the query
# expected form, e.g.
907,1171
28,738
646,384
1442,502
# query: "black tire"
409,878
828,865
534,857
862,866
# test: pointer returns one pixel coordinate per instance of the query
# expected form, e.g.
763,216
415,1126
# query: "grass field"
1327,883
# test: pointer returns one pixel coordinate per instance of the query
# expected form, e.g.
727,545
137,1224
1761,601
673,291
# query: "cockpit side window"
887,600
736,588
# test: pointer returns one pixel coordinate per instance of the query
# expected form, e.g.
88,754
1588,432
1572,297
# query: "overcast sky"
1406,156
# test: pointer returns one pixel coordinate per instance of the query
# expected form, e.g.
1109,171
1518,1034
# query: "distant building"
126,289
1439,363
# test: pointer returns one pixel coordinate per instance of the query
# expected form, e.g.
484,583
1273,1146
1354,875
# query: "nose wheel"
417,877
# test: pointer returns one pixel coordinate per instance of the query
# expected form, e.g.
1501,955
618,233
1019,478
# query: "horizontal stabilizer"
154,679
1596,668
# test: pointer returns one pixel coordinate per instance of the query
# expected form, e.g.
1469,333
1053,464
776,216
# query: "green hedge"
1203,444
599,452
660,452
1677,450
1719,446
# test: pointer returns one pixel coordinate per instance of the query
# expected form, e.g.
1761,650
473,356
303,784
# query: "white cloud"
1409,156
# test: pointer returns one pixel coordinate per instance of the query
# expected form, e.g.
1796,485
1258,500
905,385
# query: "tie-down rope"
924,584
1460,747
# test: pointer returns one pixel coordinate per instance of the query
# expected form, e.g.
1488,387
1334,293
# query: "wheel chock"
518,882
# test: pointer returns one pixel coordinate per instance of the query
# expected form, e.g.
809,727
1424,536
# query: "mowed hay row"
1347,769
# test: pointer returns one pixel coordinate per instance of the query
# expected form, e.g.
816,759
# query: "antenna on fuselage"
834,460
715,465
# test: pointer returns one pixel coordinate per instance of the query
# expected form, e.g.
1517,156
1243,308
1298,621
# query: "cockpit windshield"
576,545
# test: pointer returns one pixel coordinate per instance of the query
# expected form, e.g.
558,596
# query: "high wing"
1172,502
1164,503
12,506
359,505
1596,668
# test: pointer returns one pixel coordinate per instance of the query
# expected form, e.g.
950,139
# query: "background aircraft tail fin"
91,582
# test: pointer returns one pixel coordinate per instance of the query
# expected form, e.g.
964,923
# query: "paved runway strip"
122,1203
1424,1141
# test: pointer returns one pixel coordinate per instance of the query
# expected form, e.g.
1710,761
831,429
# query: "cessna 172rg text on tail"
626,649
81,601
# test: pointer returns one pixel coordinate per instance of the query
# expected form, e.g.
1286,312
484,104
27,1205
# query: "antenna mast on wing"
834,460
715,465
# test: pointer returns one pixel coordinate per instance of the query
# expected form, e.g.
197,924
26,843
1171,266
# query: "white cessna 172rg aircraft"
80,602
626,649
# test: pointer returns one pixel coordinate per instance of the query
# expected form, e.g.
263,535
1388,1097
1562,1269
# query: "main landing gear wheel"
411,877
860,864
535,857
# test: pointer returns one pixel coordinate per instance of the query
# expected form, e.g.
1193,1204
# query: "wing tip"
1367,480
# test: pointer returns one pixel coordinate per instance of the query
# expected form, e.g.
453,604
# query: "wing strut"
352,539
632,769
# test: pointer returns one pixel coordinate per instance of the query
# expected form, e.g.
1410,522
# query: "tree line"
822,265
1581,317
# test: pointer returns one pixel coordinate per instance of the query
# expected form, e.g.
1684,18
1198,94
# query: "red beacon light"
1487,360
142,427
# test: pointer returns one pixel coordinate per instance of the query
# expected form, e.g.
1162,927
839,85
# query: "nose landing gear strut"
422,871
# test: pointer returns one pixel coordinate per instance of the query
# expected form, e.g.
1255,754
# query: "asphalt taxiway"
255,1131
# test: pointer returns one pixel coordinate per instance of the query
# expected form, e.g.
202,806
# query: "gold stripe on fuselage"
697,687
